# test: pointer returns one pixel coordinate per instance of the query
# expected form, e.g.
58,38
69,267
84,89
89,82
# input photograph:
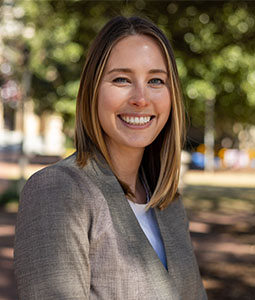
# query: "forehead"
137,50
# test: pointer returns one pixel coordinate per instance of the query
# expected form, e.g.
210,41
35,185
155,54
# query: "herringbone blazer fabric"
78,238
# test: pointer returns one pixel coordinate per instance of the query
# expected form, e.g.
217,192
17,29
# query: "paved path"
225,248
7,285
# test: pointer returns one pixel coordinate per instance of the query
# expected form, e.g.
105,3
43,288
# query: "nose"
138,97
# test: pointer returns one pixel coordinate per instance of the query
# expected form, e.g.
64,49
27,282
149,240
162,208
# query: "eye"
121,80
156,81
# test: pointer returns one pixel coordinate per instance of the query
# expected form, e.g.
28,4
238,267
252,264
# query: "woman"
107,222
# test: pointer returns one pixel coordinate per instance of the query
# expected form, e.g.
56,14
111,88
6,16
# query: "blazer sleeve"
51,253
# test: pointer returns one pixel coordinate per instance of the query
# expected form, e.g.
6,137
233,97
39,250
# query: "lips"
135,120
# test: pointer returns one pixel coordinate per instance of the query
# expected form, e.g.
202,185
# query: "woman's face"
133,97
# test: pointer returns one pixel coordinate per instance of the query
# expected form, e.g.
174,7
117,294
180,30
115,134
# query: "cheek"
164,108
163,104
104,100
108,107
105,105
110,99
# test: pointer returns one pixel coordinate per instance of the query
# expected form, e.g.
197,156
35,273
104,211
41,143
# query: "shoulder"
177,205
64,170
59,188
175,214
180,210
64,175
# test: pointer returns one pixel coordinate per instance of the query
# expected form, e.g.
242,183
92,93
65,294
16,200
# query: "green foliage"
10,195
213,41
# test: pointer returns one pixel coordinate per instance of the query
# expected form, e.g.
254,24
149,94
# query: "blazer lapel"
180,257
164,222
127,226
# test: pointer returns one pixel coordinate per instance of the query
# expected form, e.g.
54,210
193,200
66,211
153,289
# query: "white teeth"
136,120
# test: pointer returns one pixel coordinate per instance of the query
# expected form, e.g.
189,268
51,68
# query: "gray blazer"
78,238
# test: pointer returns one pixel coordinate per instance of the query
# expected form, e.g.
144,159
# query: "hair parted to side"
162,159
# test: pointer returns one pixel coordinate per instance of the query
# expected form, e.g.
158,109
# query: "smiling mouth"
136,120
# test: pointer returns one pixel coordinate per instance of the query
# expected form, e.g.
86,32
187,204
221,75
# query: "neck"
126,163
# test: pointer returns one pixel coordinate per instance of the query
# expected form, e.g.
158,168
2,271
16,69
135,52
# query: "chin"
138,144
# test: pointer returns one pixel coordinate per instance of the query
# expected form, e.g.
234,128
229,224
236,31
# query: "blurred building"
39,134
19,125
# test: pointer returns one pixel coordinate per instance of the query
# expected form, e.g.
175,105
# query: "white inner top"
150,227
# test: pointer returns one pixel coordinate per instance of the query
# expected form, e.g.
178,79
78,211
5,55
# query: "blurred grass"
219,199
229,192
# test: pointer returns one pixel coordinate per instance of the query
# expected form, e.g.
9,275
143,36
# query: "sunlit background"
43,45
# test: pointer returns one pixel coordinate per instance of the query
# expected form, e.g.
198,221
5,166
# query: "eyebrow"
127,70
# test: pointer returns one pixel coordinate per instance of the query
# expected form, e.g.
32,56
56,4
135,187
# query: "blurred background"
43,45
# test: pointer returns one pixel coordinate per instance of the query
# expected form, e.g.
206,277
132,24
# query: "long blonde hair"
162,159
